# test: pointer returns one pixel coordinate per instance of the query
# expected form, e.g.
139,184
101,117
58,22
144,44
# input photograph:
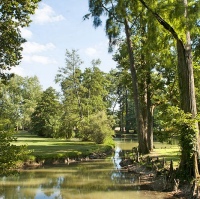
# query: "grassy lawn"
167,151
48,146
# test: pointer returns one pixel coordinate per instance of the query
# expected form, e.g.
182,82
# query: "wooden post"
163,163
171,167
176,184
193,189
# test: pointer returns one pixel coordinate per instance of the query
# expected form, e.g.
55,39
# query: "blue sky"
58,25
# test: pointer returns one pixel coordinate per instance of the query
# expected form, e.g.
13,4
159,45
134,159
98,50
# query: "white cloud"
39,59
33,47
97,50
31,51
27,34
46,14
18,70
91,51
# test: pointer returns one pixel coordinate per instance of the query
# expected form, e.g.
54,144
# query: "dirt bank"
151,176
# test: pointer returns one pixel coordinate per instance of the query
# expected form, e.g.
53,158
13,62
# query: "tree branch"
166,25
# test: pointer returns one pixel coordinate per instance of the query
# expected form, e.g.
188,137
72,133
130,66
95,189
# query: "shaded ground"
158,182
153,173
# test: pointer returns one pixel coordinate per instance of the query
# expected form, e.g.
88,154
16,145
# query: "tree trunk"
187,91
145,84
122,115
187,96
127,111
150,110
143,94
142,137
186,87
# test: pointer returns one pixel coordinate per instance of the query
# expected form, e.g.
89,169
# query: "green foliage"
18,99
10,154
182,126
120,93
97,128
14,15
96,86
16,103
170,121
143,57
84,93
187,140
31,93
69,78
45,119
109,142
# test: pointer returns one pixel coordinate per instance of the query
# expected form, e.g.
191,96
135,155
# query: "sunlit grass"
167,151
49,146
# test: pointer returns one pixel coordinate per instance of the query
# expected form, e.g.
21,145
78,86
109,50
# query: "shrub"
98,128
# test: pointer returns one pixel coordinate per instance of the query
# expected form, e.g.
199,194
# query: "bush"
10,154
98,128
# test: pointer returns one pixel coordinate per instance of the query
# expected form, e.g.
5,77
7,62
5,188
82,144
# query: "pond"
98,179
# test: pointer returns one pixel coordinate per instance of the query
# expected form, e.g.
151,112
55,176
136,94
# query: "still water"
100,179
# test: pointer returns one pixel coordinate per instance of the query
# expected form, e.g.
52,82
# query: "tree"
31,93
186,82
45,120
96,86
120,18
14,15
10,154
98,128
84,93
11,99
70,78
122,95
18,99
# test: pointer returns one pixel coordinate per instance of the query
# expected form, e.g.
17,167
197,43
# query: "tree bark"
145,84
150,110
122,115
127,111
186,84
142,137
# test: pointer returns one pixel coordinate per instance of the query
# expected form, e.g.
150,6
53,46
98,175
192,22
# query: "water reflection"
116,158
99,180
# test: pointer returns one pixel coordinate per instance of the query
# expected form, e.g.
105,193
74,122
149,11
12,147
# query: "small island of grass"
51,151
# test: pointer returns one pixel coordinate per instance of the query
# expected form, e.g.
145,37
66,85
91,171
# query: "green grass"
167,151
50,147
58,148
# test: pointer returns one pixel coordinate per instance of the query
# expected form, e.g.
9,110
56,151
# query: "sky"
58,25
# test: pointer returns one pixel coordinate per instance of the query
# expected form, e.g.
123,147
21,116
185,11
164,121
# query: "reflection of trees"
123,178
28,183
96,177
51,185
16,192
88,177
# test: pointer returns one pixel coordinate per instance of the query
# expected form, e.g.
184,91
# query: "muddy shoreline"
150,178
39,162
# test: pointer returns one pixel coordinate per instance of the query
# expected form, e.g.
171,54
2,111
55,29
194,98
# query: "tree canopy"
134,23
14,15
